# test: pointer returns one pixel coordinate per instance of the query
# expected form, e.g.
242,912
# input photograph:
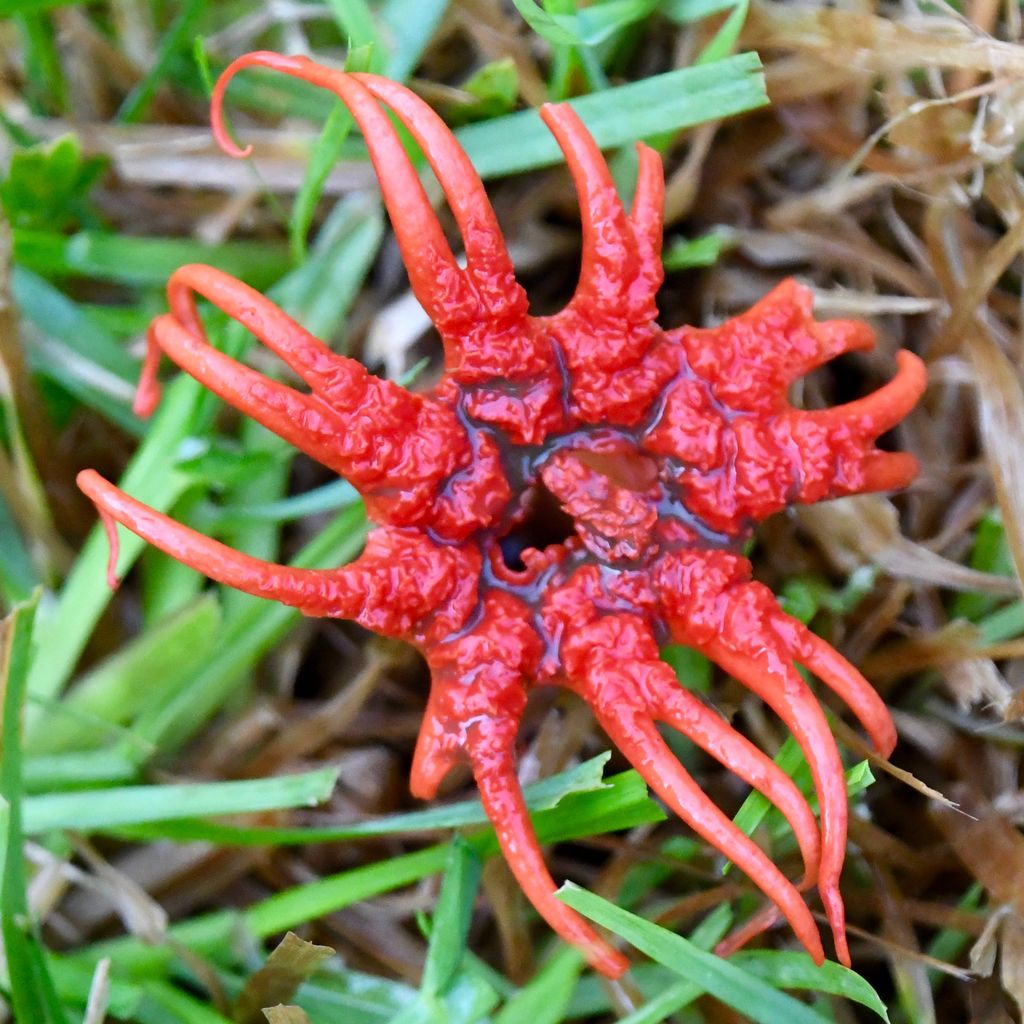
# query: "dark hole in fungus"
545,523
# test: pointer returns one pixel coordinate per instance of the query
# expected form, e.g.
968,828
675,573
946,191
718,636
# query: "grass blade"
545,998
174,40
540,796
785,969
118,688
143,261
321,161
18,575
729,984
410,25
662,103
32,993
126,805
451,919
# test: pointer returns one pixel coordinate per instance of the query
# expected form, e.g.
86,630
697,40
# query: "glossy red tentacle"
317,592
610,256
676,706
340,425
305,421
778,684
883,471
341,381
841,677
634,734
437,280
338,379
487,260
881,410
612,662
500,793
647,218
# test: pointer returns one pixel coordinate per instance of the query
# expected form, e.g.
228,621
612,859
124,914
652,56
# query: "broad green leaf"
45,187
492,91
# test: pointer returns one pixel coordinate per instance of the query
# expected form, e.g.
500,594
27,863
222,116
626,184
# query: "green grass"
92,726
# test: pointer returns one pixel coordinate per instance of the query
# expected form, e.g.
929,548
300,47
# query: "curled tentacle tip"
147,394
90,483
147,398
217,122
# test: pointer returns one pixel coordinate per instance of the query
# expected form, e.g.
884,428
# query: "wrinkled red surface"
664,448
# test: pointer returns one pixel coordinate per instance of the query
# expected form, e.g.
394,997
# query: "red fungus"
663,447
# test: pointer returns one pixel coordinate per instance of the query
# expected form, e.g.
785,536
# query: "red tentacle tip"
92,485
663,449
147,397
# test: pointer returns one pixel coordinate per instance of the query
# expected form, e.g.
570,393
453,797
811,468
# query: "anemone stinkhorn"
664,448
